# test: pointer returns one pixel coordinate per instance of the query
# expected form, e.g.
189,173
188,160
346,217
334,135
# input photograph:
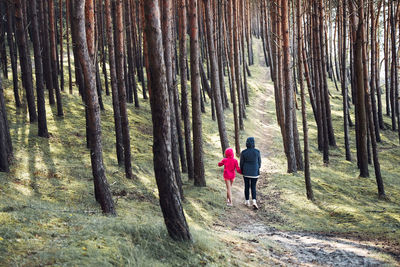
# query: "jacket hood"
229,153
250,143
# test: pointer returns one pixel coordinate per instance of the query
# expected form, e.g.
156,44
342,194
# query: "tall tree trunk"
289,103
61,41
199,178
53,48
102,44
13,52
46,54
114,87
233,78
369,109
3,51
344,85
170,201
183,74
42,123
167,43
373,74
121,89
25,64
102,189
130,54
236,69
6,150
215,78
68,49
310,194
360,94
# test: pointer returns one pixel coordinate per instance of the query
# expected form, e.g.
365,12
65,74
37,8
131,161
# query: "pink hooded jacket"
230,164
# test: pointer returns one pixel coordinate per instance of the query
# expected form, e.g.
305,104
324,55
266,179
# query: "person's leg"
254,192
246,188
228,191
253,188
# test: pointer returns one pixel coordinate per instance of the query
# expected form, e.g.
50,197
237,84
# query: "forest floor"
261,243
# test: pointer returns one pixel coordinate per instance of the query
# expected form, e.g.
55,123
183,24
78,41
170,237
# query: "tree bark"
360,93
102,190
344,85
309,191
199,178
42,123
53,50
25,64
215,78
121,89
114,87
46,54
167,43
170,201
6,150
183,74
289,103
13,53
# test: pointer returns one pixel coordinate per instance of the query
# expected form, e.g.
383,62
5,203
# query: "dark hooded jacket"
250,159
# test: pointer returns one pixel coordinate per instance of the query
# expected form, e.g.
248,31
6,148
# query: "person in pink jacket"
231,164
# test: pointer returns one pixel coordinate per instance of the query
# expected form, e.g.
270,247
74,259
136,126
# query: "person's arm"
259,159
237,167
241,161
221,163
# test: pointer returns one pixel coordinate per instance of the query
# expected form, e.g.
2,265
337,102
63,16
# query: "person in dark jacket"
250,163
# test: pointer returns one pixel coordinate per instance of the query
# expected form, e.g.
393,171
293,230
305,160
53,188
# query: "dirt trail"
258,244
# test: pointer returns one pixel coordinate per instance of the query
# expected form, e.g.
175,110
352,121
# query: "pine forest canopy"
178,54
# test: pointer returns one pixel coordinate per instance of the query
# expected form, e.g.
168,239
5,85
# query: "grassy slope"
48,214
344,202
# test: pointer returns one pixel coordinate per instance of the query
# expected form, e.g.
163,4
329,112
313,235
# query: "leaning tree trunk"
167,43
102,189
170,201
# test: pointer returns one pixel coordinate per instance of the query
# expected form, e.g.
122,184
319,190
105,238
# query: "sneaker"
247,203
229,204
255,206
